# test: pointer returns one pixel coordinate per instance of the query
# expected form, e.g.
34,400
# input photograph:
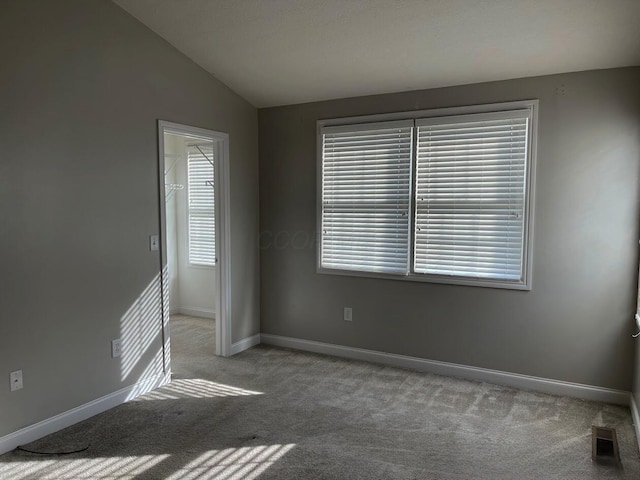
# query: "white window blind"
470,195
366,191
202,225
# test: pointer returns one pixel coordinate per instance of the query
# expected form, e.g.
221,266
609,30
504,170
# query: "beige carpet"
271,413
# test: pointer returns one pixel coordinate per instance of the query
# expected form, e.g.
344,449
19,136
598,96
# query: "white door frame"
223,237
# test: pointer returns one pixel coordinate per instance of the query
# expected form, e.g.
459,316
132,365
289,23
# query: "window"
366,180
201,207
443,197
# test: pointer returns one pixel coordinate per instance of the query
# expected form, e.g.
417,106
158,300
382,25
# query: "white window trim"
526,283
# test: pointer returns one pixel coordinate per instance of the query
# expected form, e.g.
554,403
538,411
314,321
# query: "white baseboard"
555,387
78,414
635,414
196,312
245,344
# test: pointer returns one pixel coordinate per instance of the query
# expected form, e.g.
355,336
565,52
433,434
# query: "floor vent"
604,445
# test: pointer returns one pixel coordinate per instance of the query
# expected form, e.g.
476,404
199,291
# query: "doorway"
194,215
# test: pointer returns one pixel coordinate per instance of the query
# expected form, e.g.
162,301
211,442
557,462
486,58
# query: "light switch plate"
348,314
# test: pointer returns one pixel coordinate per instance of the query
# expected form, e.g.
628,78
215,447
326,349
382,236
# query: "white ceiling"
277,52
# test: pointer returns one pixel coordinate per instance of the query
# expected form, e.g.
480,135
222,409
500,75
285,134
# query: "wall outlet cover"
16,380
154,243
116,348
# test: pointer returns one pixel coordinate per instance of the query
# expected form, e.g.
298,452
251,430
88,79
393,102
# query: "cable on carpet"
22,449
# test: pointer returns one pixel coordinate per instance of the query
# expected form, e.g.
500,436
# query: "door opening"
193,166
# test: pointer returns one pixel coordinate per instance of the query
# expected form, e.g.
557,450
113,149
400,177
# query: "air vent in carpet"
604,445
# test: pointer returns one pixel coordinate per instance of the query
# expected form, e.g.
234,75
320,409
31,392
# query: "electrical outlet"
16,380
116,348
154,243
348,314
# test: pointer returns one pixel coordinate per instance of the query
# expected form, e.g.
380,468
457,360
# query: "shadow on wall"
141,334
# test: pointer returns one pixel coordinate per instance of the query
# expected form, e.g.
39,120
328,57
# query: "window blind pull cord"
209,183
204,155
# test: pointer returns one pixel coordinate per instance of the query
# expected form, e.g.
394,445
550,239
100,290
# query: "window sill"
440,279
202,267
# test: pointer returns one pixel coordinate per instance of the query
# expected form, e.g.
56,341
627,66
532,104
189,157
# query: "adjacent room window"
443,198
201,214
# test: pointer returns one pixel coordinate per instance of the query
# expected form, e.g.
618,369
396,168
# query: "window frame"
398,124
530,176
190,263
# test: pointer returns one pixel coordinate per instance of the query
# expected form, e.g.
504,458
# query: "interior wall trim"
80,413
635,415
245,344
196,312
516,380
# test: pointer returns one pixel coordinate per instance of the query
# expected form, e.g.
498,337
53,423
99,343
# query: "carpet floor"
272,413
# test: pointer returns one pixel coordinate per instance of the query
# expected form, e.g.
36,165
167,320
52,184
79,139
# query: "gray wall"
82,85
576,322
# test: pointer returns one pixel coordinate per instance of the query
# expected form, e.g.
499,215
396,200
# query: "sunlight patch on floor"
245,463
196,388
122,468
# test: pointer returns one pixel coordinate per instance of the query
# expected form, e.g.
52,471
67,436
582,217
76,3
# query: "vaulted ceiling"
277,52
